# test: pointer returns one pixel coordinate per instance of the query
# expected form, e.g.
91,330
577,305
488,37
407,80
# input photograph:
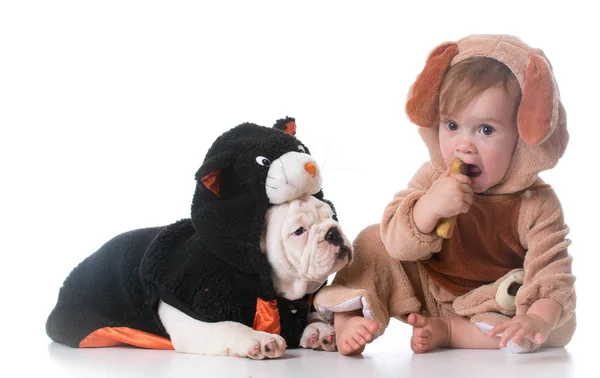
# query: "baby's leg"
353,332
452,332
356,292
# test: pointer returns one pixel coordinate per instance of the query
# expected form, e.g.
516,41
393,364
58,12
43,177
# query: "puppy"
304,245
197,285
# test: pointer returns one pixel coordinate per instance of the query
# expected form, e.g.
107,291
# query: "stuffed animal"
209,273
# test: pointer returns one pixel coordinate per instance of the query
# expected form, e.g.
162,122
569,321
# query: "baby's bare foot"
428,333
353,334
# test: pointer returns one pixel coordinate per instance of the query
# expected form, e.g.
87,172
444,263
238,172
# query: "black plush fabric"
209,266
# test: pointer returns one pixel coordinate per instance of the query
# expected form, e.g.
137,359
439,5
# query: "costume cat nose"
311,168
333,236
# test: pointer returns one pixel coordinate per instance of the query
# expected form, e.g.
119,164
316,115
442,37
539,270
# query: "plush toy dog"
236,278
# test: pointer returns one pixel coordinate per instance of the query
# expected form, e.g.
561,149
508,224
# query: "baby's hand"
531,327
450,195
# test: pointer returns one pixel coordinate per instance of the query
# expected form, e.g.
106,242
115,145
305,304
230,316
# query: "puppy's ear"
209,173
287,125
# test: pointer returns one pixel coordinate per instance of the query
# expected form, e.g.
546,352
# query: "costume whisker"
284,174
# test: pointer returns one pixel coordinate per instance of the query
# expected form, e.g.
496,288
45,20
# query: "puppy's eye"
299,231
263,161
301,148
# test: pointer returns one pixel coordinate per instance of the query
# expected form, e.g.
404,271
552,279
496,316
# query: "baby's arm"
548,286
547,298
400,235
447,197
536,325
409,220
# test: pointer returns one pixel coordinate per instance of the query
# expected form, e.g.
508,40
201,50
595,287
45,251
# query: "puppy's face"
304,245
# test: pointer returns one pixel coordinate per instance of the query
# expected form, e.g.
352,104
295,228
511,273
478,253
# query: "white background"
108,107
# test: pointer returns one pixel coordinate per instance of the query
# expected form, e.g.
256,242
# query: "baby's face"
483,135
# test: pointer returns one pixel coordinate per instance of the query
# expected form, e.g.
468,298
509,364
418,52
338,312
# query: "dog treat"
445,228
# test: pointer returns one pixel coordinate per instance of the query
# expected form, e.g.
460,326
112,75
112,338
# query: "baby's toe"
365,334
422,340
420,332
359,338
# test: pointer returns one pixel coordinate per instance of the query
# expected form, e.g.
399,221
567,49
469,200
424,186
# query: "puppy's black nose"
333,236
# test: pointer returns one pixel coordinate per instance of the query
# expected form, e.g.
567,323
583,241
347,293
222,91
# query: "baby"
504,277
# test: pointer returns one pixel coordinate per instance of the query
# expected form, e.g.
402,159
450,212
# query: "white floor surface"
388,356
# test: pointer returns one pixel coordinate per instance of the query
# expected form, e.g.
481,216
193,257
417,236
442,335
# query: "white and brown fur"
304,245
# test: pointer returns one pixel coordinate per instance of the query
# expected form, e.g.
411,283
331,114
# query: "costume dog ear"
209,173
537,116
422,105
287,125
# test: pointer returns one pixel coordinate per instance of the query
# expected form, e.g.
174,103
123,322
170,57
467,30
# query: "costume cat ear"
422,105
537,116
209,173
287,125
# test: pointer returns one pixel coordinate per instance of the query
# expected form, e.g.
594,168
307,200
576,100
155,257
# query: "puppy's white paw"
319,335
257,345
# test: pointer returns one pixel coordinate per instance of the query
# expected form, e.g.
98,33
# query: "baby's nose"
466,146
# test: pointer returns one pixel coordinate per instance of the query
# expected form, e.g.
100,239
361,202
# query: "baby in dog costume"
504,278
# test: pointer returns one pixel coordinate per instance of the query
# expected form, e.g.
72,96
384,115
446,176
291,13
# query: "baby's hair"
471,77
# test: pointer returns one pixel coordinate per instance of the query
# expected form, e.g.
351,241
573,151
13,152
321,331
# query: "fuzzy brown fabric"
541,118
536,109
519,225
423,101
483,248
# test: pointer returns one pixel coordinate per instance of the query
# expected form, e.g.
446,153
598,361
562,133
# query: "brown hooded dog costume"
508,251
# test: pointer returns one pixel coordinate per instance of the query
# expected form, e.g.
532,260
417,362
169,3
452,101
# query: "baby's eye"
452,126
301,148
299,231
486,129
263,161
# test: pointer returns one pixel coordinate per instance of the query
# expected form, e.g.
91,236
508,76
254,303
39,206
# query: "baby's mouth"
473,171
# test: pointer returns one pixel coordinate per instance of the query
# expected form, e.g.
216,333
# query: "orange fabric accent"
485,247
113,336
212,181
534,118
422,106
266,318
290,128
311,168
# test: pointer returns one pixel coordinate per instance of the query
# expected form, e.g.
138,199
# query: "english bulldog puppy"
304,245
